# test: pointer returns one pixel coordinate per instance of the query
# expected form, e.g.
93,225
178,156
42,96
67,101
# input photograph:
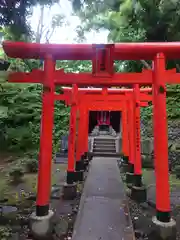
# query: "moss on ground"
149,178
18,193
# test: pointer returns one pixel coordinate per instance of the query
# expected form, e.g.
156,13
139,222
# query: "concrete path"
103,213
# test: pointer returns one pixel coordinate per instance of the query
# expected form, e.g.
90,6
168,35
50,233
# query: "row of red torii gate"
146,86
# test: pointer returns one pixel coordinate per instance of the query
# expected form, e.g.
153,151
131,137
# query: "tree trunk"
40,25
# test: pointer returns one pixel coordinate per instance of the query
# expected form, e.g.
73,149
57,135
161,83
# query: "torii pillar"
82,140
45,153
131,137
138,190
70,187
81,122
85,113
163,207
132,142
40,219
125,137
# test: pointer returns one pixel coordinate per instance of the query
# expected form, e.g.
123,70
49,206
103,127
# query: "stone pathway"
103,213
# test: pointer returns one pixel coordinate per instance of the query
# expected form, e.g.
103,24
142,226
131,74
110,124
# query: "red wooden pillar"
80,136
161,140
124,125
137,137
80,166
131,134
84,127
98,118
72,137
86,133
102,114
109,120
45,154
81,149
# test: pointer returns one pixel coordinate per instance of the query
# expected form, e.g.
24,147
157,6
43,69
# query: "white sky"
66,34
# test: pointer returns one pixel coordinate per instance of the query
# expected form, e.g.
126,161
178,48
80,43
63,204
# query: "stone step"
104,144
104,147
104,150
104,154
61,160
61,154
104,133
104,139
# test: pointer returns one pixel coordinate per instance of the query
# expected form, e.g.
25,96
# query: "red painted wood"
45,153
160,136
124,129
80,139
72,131
137,137
121,51
84,79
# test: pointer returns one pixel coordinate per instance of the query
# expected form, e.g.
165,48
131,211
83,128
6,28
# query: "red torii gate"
131,134
84,103
102,57
94,95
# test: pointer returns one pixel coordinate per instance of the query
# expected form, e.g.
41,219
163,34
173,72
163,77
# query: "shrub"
177,171
147,161
5,233
32,165
16,174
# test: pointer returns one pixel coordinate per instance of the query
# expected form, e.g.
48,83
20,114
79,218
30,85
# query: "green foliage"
173,101
14,13
136,21
75,66
177,171
5,233
32,165
126,21
146,113
17,128
16,173
20,126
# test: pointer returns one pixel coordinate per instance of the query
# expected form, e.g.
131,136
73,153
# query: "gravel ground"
142,220
65,213
142,213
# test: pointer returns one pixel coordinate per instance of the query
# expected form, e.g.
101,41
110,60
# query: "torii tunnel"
102,118
105,99
102,57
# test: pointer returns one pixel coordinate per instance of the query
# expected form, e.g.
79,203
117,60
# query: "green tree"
14,13
136,21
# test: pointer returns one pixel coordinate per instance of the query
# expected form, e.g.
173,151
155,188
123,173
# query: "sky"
65,34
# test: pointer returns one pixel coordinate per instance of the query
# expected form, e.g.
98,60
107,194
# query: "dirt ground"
142,213
18,202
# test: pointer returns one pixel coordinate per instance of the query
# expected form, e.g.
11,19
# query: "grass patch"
18,193
174,182
149,178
